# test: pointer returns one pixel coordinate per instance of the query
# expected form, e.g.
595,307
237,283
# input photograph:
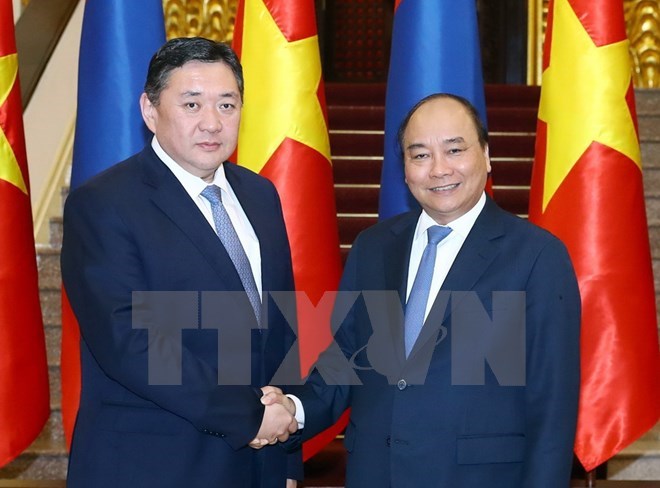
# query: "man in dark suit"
485,393
156,409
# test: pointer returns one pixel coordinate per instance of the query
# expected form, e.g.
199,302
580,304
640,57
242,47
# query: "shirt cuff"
300,411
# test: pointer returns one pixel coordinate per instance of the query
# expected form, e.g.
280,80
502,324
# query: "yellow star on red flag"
9,169
579,78
289,107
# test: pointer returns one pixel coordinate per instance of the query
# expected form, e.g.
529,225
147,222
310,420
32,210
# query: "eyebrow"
454,140
451,140
191,93
416,145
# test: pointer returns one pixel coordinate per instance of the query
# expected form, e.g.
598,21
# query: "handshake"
279,418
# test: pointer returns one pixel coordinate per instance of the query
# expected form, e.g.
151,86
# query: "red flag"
24,398
284,136
587,189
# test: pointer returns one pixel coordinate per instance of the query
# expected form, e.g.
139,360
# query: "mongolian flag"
118,39
435,48
587,189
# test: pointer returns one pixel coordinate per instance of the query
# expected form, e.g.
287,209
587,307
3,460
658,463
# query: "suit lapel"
472,261
396,258
167,194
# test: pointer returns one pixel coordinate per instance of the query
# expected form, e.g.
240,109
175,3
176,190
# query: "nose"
440,166
210,120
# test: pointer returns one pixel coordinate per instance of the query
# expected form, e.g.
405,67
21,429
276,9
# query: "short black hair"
482,133
181,50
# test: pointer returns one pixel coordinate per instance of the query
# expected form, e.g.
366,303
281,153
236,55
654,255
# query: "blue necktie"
419,294
232,243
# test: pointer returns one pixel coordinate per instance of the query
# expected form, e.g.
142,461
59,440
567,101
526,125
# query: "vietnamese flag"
587,189
284,137
24,397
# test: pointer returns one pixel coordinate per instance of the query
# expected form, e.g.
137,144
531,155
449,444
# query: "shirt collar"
461,226
193,185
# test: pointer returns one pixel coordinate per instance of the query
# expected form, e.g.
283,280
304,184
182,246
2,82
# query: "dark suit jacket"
134,228
416,422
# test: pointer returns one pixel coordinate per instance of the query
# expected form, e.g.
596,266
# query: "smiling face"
197,116
445,165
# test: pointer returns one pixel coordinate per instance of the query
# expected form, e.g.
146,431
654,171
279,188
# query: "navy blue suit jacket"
134,228
420,422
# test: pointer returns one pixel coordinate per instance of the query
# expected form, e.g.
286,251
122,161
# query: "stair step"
359,199
55,385
48,265
512,95
356,117
53,335
45,458
511,171
511,145
364,170
55,226
650,153
30,466
374,94
366,117
512,119
351,225
512,199
356,143
639,461
51,307
51,439
355,93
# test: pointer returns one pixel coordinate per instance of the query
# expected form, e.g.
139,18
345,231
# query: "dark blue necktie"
232,243
419,294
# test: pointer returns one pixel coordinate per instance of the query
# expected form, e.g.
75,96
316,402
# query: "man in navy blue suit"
157,408
467,381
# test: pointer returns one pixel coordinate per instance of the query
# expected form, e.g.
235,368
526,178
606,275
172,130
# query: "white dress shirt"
194,186
448,248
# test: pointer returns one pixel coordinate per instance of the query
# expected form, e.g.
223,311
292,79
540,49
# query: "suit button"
389,441
401,385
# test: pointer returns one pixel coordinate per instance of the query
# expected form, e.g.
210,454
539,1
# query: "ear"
149,112
487,156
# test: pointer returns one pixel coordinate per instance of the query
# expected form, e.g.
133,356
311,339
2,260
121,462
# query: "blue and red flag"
118,39
435,48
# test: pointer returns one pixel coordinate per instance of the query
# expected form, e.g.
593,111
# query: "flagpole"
590,478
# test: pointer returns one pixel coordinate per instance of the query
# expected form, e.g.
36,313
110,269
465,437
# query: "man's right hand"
278,421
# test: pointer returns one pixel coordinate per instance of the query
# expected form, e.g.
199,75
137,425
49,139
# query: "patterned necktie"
419,294
232,243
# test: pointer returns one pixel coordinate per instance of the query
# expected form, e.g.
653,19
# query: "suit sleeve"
326,393
553,368
101,266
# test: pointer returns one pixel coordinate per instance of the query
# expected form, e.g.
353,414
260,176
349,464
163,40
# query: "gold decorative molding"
643,27
537,15
213,19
